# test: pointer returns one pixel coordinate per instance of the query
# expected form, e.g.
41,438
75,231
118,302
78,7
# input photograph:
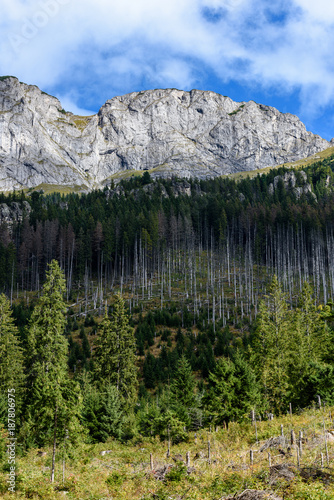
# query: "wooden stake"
168,450
151,461
269,459
300,443
251,457
327,456
298,459
293,437
188,459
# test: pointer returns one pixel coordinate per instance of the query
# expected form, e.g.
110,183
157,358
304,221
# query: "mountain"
167,131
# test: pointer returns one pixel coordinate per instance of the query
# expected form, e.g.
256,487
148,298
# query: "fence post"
251,457
168,450
254,420
151,461
327,457
293,437
300,443
188,459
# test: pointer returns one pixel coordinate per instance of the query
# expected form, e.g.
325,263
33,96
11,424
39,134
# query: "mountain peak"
167,131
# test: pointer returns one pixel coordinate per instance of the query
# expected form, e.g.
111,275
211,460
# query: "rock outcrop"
290,183
13,213
169,132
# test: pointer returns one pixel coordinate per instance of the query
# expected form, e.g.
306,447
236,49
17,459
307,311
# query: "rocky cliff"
169,132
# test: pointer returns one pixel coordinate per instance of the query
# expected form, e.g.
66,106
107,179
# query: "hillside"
166,131
223,464
158,312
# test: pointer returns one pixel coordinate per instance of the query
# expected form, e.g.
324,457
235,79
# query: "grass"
298,164
237,110
125,473
55,188
80,122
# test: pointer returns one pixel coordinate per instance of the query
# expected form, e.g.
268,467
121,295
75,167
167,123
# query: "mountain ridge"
167,131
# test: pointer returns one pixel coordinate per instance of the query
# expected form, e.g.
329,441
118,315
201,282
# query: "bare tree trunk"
54,447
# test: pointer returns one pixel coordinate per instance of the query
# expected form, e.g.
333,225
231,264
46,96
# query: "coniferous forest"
159,308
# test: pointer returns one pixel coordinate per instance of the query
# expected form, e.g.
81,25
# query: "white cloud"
69,104
99,46
321,10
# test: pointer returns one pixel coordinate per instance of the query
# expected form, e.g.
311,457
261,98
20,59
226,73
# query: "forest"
162,307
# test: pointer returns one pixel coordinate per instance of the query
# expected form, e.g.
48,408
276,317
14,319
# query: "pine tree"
54,401
272,347
102,413
233,390
309,344
11,360
316,333
115,355
182,395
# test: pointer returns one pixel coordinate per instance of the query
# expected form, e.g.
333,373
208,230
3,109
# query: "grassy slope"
125,473
305,162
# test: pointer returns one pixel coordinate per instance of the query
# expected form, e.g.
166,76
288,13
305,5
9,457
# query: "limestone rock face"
170,132
289,180
13,213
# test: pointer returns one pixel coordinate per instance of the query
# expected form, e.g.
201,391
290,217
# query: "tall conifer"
53,402
115,356
11,358
271,343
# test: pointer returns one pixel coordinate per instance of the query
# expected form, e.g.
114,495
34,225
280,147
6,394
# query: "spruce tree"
11,360
272,347
115,355
182,395
309,345
233,390
102,413
53,401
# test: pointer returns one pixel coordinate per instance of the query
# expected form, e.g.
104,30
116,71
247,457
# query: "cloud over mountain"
103,48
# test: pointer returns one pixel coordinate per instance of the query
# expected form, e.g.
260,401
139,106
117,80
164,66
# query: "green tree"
310,343
54,401
146,178
115,355
233,390
102,413
182,391
271,345
316,332
11,360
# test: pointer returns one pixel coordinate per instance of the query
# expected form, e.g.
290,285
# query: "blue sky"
87,51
